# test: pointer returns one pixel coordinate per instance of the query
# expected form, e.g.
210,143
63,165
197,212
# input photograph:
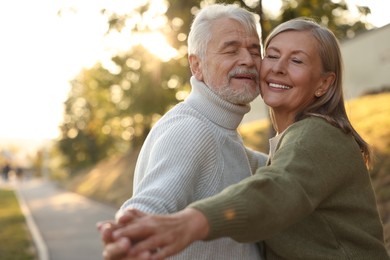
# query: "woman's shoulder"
313,130
312,124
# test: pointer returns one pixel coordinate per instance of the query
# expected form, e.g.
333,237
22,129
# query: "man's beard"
241,96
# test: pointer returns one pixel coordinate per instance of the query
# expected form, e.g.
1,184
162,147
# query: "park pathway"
62,223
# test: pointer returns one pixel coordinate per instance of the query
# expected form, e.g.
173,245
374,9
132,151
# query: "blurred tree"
111,107
83,141
333,14
111,111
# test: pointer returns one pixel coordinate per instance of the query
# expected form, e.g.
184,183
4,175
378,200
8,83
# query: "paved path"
63,223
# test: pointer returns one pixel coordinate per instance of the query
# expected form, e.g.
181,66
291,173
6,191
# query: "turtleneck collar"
216,109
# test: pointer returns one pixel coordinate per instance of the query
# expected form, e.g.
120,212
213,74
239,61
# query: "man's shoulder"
183,118
182,129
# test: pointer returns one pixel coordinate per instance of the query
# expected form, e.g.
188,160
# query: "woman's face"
291,73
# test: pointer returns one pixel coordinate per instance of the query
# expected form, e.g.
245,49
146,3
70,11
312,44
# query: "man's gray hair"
200,33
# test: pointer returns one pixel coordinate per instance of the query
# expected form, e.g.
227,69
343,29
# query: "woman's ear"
327,81
196,67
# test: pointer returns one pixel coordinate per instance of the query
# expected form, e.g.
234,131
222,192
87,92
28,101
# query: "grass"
15,239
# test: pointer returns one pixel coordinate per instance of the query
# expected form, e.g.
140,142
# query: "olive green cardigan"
313,201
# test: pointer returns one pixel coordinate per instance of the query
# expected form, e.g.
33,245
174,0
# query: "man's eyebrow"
238,43
229,44
255,46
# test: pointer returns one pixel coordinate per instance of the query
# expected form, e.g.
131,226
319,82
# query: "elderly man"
195,151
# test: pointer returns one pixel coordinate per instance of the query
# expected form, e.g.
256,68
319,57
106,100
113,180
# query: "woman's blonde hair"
329,106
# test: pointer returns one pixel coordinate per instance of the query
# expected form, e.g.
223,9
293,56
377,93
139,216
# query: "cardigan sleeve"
181,158
297,180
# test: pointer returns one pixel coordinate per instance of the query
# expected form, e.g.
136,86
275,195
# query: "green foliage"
15,239
83,141
110,112
334,15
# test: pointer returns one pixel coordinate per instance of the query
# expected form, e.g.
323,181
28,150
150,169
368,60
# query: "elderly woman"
314,199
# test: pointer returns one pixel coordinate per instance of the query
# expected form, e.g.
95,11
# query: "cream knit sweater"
194,152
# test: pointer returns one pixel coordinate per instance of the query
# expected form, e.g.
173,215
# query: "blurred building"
367,62
366,67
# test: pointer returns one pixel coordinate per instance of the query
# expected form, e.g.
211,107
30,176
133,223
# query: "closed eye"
269,56
297,61
231,52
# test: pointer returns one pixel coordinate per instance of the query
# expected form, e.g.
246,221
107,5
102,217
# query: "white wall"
366,62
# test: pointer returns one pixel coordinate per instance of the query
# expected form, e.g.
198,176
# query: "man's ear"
327,81
196,67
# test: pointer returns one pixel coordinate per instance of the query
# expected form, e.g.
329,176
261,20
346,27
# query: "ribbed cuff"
226,218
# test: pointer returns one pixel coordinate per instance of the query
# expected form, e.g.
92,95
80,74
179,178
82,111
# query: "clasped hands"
135,235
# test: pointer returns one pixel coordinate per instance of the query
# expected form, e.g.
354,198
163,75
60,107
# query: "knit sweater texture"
313,201
194,151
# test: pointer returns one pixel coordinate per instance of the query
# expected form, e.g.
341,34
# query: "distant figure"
19,173
5,172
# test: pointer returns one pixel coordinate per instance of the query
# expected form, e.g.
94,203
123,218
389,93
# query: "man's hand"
119,247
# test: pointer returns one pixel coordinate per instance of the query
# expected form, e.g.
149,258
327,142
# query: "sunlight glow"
157,44
379,15
41,52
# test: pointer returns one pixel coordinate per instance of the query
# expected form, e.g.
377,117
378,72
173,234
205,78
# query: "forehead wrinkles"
227,32
226,26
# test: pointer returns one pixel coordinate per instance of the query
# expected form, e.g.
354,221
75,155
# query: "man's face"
232,62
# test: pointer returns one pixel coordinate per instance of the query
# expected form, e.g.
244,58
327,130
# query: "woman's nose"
279,67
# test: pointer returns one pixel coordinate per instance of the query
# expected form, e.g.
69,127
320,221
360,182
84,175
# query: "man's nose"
246,58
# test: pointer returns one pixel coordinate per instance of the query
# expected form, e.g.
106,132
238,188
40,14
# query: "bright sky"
40,53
